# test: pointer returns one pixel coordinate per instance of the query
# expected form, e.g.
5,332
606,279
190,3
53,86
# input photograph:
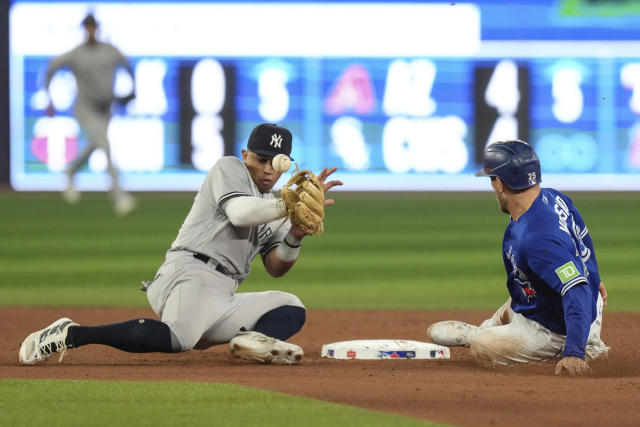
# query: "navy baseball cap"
514,162
269,139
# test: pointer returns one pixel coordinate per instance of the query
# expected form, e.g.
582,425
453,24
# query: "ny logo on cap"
276,141
532,178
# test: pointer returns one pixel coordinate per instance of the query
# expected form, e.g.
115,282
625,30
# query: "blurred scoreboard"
410,122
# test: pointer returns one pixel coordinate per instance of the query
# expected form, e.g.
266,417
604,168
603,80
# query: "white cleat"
39,346
258,347
451,333
125,205
71,195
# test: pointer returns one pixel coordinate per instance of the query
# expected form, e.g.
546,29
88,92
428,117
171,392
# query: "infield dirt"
454,391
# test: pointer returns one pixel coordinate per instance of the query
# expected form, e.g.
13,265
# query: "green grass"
110,403
382,251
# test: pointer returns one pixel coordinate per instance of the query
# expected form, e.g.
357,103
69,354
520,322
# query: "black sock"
282,322
134,336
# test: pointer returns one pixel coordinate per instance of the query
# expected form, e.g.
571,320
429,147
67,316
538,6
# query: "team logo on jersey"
567,272
528,292
525,286
276,141
519,277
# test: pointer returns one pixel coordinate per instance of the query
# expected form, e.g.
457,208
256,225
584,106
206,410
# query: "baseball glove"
304,196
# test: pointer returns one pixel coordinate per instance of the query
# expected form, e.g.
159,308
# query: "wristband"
289,248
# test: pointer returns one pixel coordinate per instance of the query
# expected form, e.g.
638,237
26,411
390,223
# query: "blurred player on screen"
94,64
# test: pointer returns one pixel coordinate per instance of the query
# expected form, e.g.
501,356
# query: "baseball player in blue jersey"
234,218
556,295
94,64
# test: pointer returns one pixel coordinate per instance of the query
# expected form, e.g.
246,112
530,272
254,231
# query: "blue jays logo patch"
528,291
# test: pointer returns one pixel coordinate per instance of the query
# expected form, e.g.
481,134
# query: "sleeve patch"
567,272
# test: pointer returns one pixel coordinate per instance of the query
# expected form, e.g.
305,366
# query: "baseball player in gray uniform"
93,65
234,218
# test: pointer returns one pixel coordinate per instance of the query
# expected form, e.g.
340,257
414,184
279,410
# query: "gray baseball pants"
95,122
200,305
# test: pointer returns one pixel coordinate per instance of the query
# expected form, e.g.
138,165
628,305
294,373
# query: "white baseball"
281,163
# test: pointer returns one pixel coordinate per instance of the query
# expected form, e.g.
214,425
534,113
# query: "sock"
282,322
134,336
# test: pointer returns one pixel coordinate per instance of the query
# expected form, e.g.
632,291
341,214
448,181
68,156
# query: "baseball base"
384,349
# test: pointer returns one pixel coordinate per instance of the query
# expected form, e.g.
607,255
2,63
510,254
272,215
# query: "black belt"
205,258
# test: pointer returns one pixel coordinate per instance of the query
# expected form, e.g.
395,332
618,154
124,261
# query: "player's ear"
245,153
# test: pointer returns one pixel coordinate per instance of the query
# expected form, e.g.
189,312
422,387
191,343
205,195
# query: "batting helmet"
514,162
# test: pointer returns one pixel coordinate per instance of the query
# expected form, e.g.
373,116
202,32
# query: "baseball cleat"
451,333
125,205
40,345
71,195
258,347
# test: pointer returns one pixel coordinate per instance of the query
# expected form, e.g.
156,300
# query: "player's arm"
550,260
279,257
229,183
55,64
245,211
126,64
577,308
577,316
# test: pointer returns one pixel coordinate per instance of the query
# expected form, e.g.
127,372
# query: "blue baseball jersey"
552,271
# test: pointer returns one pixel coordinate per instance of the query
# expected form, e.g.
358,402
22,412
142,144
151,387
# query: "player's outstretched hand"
322,177
572,366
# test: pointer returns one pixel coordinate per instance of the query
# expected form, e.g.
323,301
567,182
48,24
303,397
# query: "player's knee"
282,322
285,298
297,317
293,300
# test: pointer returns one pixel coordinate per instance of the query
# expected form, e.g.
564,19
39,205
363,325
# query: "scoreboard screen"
409,108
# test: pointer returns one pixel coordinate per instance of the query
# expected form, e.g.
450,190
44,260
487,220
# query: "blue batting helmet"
514,162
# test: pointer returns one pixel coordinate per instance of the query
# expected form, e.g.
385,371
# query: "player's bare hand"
603,293
572,366
322,177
